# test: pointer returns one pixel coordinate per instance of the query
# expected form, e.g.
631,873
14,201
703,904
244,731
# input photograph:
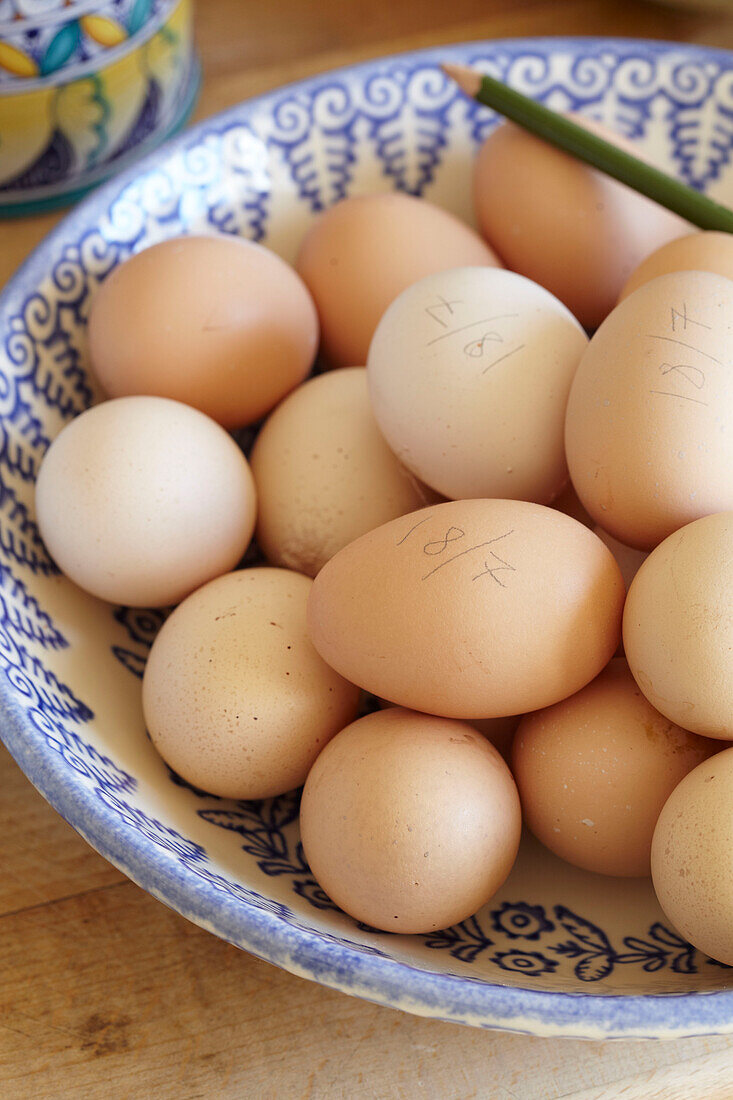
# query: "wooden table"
105,993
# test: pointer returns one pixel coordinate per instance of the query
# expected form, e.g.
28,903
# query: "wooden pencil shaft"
608,158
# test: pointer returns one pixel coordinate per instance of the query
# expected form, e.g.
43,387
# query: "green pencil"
562,132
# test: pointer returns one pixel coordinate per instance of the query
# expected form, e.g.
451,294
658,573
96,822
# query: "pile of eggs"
423,541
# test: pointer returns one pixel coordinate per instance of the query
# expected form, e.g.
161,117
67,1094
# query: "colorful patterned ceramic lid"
70,40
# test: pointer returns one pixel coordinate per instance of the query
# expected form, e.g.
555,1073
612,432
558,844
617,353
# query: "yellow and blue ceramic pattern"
557,951
83,88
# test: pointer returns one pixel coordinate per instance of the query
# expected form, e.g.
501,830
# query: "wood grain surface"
107,994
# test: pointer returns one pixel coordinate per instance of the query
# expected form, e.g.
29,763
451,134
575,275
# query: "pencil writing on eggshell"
573,138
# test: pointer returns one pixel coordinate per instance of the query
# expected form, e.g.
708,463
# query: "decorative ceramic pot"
84,88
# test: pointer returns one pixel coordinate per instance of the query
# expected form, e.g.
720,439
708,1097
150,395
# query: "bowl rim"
452,997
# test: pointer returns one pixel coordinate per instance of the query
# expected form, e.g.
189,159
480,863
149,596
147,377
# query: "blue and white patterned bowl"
558,951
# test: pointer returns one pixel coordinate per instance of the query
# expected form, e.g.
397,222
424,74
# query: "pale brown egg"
472,607
594,771
325,474
140,500
702,251
572,229
691,857
678,626
362,252
409,822
469,373
649,426
218,322
236,699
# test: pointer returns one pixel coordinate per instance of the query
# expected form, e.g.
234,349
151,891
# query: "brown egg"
324,473
471,607
409,822
236,699
708,251
217,322
678,626
572,229
141,500
649,426
469,374
594,771
691,865
362,252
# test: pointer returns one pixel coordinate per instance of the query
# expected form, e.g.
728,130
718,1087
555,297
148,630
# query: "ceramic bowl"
557,951
86,86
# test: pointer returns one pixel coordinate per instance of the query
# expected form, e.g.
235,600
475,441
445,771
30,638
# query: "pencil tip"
467,79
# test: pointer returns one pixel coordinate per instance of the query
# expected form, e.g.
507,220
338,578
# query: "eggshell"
218,322
572,229
691,865
236,699
701,251
594,771
649,427
678,626
469,373
410,822
141,500
362,252
324,473
499,731
472,607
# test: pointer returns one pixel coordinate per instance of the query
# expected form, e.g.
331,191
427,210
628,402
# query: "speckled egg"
594,771
325,474
236,699
691,864
678,626
409,822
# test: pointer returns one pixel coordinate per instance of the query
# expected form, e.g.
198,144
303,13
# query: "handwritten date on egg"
444,314
451,545
684,377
